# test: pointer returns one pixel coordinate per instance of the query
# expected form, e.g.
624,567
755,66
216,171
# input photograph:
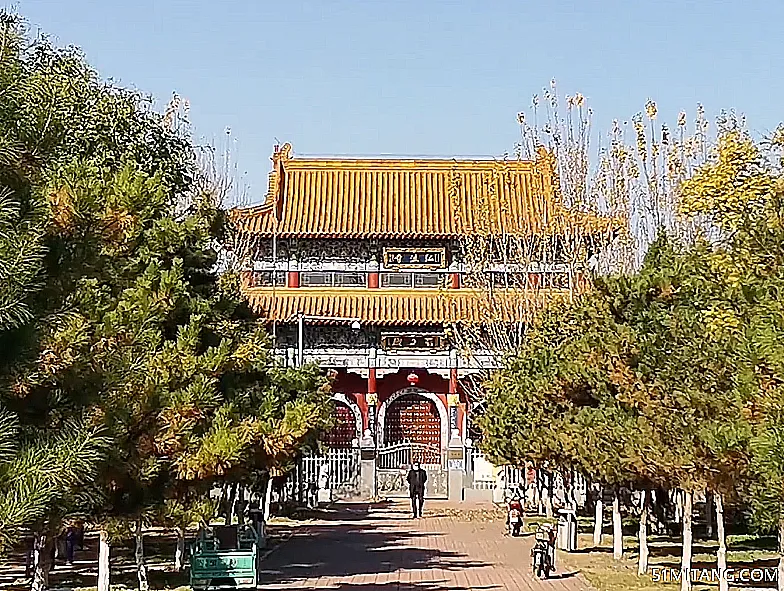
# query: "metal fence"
337,469
402,455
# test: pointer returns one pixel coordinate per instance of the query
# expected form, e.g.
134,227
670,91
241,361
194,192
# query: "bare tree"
601,209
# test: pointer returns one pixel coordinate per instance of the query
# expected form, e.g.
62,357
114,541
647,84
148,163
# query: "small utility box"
567,530
226,556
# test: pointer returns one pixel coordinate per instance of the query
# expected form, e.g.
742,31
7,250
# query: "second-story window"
428,280
396,279
315,279
267,278
332,279
350,279
555,280
421,280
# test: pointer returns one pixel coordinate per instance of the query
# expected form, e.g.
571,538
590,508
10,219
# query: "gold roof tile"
360,198
398,306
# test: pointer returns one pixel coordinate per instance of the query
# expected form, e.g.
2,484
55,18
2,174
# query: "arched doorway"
339,464
414,419
412,427
344,432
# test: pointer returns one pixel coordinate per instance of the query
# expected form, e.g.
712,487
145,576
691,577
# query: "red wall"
355,388
391,383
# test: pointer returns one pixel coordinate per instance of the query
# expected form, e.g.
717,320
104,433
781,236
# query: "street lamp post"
301,318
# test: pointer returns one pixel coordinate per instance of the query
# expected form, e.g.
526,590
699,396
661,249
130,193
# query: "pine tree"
128,347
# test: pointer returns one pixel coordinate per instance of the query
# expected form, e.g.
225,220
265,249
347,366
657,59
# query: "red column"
373,280
455,280
372,401
453,380
293,279
535,280
581,282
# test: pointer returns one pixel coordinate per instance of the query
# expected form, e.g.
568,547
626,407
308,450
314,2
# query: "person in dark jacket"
417,478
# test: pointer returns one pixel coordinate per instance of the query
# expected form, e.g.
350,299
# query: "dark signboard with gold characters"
412,342
414,258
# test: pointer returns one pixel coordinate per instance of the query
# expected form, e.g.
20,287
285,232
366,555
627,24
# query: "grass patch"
605,573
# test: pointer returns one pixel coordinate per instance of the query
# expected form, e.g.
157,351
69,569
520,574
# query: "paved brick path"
382,549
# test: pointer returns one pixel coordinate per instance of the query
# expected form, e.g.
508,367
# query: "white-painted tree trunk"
548,496
141,567
617,526
688,498
179,552
598,518
539,493
678,505
642,535
224,504
103,561
42,561
721,553
230,507
268,500
780,584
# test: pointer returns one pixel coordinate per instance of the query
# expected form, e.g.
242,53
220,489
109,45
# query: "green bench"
226,556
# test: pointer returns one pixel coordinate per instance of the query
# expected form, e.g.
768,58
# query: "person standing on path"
417,478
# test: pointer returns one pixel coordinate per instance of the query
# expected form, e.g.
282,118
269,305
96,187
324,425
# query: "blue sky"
437,77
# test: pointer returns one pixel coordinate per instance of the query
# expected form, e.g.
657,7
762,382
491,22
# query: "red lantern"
412,379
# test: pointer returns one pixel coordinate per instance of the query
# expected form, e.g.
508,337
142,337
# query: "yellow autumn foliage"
725,187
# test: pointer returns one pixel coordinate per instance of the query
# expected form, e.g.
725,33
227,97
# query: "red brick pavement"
381,549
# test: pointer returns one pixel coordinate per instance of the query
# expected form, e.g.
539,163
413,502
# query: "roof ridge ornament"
280,154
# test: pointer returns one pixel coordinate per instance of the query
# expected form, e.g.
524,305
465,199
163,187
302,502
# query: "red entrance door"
412,419
345,430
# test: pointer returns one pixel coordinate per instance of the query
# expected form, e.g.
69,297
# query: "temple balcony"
352,358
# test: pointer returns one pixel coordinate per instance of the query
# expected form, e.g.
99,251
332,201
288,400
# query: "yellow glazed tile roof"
362,198
393,306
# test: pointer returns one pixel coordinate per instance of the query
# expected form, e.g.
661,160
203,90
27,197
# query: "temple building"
360,265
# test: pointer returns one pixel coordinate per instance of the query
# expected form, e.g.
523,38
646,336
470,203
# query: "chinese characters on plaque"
414,258
428,342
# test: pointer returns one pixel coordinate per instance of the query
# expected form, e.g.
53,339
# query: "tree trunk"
42,560
688,498
179,553
239,505
660,507
539,495
780,584
548,505
642,534
721,553
678,506
598,518
617,526
141,567
268,499
230,504
709,514
103,561
223,509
